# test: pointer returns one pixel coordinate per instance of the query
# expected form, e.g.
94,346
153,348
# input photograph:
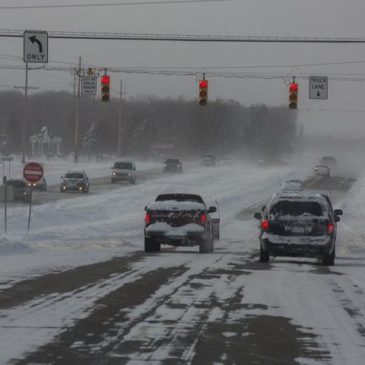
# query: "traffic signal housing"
105,88
203,92
293,95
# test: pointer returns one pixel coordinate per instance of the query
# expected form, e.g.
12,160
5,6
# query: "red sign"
33,172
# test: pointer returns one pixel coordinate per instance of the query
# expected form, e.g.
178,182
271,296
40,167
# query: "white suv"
124,170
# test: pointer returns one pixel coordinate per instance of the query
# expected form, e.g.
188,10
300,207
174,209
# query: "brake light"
147,218
330,228
203,219
265,225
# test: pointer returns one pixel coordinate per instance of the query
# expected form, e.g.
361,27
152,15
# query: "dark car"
40,185
75,181
173,165
21,192
299,224
179,220
208,160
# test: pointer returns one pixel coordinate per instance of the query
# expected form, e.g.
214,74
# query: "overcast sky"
343,112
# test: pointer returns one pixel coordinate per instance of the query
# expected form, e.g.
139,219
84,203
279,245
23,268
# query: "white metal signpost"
318,87
88,85
35,46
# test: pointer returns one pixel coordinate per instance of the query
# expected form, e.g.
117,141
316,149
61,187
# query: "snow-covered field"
95,227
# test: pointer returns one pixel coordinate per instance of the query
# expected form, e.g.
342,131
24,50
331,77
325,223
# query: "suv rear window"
296,208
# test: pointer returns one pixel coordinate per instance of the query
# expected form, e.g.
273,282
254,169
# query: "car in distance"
178,220
40,185
208,160
173,165
21,192
124,170
299,224
322,170
292,185
75,181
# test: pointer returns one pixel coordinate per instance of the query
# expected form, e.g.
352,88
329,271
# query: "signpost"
32,172
318,87
35,50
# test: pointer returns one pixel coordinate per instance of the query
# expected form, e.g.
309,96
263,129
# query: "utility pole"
77,114
25,112
119,149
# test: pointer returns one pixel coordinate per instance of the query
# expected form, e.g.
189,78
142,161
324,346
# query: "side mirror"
338,211
258,215
263,208
145,208
337,218
212,209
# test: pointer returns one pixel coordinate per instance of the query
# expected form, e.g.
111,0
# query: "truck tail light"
330,228
203,219
147,218
265,225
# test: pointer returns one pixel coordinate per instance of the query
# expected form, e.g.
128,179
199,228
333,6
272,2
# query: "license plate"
302,229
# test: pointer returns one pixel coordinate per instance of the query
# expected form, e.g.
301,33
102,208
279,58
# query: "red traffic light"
203,84
203,92
293,86
105,80
105,88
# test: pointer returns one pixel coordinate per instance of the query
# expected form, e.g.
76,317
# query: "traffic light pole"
77,114
25,112
119,149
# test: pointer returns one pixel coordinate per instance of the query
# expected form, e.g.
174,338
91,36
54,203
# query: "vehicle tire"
329,260
264,255
133,181
206,245
149,245
112,181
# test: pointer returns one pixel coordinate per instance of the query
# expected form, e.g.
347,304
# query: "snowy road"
80,290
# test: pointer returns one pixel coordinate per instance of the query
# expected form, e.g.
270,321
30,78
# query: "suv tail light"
265,225
203,219
330,228
147,218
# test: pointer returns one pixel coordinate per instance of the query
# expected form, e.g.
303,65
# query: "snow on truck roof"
176,205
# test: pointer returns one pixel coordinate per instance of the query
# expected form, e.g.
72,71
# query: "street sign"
33,172
35,46
7,158
318,87
88,85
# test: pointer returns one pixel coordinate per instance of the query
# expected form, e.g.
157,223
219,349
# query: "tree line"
150,125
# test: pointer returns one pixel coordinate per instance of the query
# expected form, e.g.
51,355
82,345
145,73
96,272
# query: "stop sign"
33,172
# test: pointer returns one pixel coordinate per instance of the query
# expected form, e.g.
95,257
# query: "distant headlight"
129,174
114,173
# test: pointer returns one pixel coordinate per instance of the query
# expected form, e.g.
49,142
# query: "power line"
89,5
185,38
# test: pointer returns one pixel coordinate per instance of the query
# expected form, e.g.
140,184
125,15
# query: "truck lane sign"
35,46
318,87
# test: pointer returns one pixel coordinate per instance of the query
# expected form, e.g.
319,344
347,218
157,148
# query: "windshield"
123,166
74,175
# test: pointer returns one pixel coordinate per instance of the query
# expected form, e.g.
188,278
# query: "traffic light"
105,88
293,95
203,92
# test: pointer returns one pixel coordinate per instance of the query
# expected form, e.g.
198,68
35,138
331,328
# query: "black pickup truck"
178,220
